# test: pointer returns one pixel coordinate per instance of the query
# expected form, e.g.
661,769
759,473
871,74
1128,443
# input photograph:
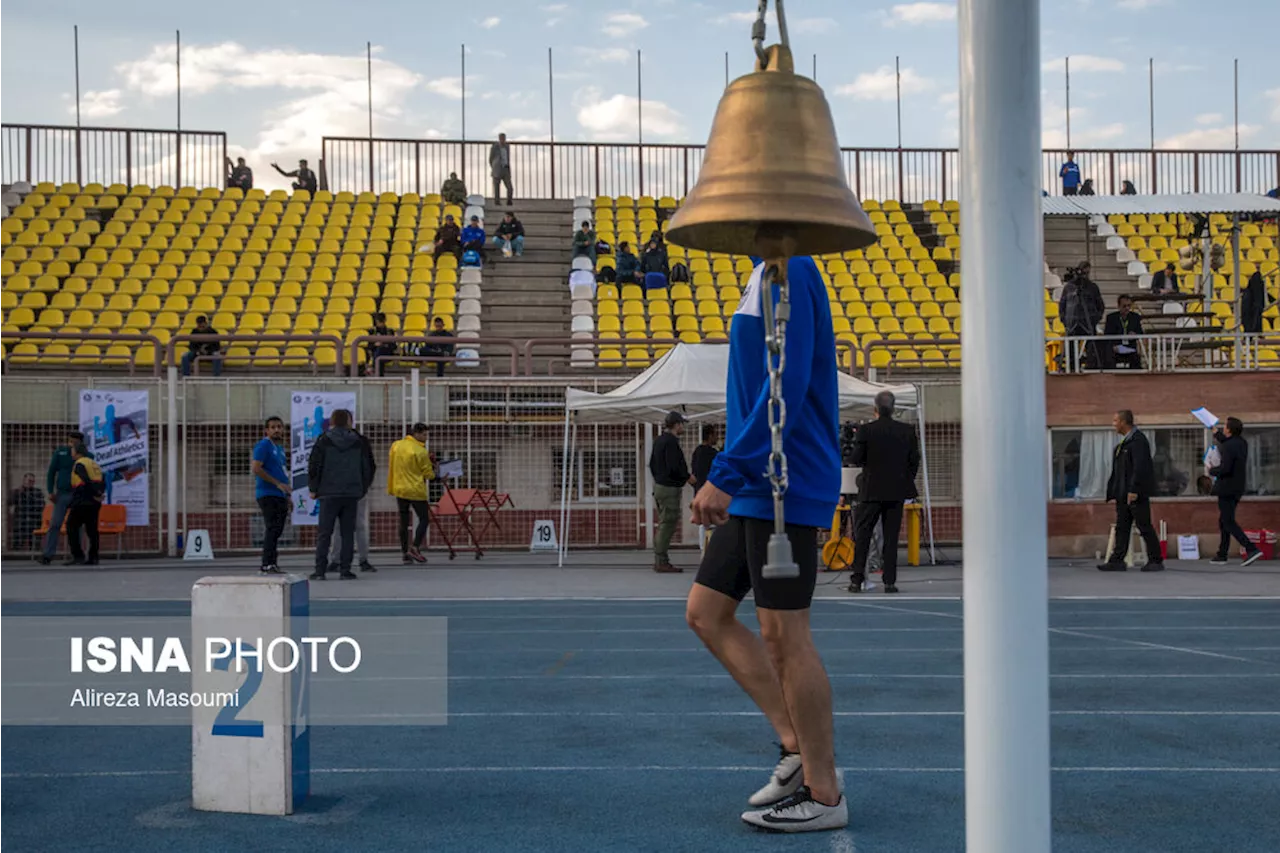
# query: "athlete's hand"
710,505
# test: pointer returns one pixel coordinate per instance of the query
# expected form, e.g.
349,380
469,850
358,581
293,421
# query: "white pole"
648,486
415,400
171,467
924,469
1006,646
564,486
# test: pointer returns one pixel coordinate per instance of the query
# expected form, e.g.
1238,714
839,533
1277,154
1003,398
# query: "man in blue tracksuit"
784,674
1070,174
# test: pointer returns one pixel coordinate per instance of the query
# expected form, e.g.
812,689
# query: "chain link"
758,28
776,346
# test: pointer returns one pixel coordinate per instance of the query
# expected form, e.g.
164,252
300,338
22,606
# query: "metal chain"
758,32
776,347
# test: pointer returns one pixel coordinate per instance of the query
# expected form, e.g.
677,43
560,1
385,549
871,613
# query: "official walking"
1229,486
670,476
1131,485
339,473
888,452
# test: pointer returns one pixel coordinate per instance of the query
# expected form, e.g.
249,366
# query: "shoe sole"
1250,560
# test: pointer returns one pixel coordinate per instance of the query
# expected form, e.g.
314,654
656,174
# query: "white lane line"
640,768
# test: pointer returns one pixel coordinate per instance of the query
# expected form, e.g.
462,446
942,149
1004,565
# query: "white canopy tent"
691,379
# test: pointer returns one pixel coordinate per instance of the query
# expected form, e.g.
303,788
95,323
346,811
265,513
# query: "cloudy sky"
276,76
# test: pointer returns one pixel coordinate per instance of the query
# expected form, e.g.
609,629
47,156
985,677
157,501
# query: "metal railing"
112,155
1181,351
567,169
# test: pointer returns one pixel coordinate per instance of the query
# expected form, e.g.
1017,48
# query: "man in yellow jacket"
407,479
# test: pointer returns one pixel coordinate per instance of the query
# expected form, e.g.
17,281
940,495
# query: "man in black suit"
1123,351
1229,477
1132,482
888,453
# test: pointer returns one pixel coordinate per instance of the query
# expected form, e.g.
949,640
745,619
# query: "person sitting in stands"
380,352
584,242
454,191
1165,281
448,238
628,265
1123,352
510,236
1127,188
441,349
207,346
306,179
653,265
241,175
473,237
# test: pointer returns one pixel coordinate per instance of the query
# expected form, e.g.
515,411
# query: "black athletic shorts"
736,555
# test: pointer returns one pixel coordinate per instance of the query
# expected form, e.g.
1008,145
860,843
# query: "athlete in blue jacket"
784,675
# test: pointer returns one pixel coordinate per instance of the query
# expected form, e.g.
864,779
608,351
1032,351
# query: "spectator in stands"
1087,187
58,486
410,469
306,179
454,191
1080,308
88,488
240,176
1070,174
670,476
208,346
1127,188
381,352
500,167
1123,352
1165,281
653,265
1131,485
628,265
448,238
1253,301
27,505
440,349
1275,193
339,473
272,490
473,237
584,242
510,236
1230,475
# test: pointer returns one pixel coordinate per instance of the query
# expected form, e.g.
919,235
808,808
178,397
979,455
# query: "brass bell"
772,183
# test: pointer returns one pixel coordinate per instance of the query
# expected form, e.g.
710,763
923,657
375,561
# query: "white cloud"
1209,118
881,85
1222,138
556,8
736,18
490,22
1139,5
522,129
98,104
917,14
1085,64
605,54
621,24
950,100
449,87
614,118
813,26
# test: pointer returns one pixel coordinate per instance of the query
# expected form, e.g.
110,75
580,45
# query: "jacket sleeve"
1141,469
51,476
746,456
858,459
370,465
315,465
1226,462
913,456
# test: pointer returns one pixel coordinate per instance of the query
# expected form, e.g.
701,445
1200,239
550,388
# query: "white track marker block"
254,757
197,546
543,537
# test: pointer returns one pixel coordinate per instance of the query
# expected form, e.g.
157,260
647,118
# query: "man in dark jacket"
628,265
704,455
1229,485
88,489
510,237
1123,351
27,504
441,349
306,179
1080,309
453,191
1165,281
448,238
339,473
240,175
1253,301
207,345
670,476
58,487
888,452
1132,482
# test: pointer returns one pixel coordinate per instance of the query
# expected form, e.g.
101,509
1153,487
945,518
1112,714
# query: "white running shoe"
800,813
787,778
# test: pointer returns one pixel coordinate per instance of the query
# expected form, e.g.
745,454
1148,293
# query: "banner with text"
309,415
114,424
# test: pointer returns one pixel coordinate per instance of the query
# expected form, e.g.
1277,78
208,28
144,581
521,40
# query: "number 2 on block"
226,723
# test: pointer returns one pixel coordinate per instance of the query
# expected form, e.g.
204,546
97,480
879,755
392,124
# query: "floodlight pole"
1006,641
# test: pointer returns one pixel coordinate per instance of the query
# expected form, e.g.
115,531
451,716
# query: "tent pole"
924,466
1235,285
564,488
648,486
573,451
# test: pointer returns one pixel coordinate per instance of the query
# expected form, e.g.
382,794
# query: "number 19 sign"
544,536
